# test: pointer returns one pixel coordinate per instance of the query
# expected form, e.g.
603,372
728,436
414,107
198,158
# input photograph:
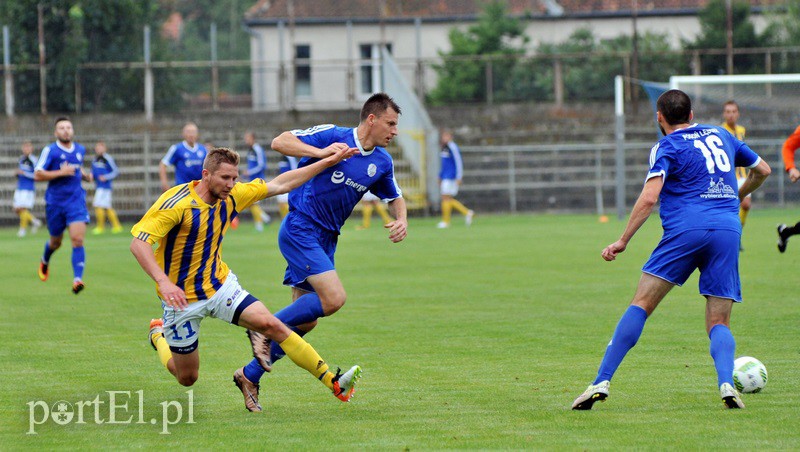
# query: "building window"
302,70
371,76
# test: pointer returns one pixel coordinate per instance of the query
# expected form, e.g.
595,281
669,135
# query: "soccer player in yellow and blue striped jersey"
188,223
730,115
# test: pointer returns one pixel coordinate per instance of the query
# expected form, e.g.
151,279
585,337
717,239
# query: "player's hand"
341,153
173,295
398,230
101,178
332,149
611,251
794,175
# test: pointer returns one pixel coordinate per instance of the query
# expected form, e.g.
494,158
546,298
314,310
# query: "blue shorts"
307,248
714,252
59,215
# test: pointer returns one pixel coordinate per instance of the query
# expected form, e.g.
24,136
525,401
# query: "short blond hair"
218,156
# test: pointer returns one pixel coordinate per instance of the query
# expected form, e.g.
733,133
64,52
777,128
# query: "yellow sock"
459,207
101,218
304,355
743,215
283,208
257,213
164,353
447,209
112,218
367,214
383,213
25,218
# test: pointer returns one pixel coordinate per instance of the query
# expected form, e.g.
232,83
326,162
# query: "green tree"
497,37
713,35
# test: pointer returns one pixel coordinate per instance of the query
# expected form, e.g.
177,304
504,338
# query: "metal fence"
581,178
220,85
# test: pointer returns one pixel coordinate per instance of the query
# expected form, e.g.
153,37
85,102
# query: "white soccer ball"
749,374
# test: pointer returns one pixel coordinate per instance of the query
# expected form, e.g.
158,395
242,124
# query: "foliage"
713,35
497,37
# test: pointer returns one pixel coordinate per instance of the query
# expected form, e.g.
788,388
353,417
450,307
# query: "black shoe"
782,241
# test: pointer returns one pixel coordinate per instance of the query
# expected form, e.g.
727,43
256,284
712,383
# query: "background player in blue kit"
187,158
25,194
693,173
287,163
256,169
450,175
65,199
104,171
318,210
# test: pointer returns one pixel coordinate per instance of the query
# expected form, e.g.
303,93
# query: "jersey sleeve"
789,148
112,165
746,157
171,156
386,187
157,222
659,162
44,160
320,136
456,153
247,194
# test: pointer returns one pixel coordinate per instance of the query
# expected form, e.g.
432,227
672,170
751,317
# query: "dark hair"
675,106
218,156
61,118
377,104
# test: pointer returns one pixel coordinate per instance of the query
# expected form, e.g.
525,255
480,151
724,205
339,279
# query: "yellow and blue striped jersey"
741,173
189,234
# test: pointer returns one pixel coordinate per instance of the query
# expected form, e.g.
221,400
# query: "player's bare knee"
77,242
334,302
269,326
187,379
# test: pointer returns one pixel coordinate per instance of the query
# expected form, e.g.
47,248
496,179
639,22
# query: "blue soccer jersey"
188,161
452,167
256,163
698,166
63,190
329,198
287,163
105,166
25,180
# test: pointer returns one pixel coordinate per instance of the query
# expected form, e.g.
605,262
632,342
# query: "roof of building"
326,11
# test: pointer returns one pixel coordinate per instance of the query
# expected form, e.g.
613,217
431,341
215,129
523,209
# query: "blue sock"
78,260
626,335
723,347
253,370
47,253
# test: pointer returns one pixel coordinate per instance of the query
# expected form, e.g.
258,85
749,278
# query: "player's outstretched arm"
755,177
162,176
173,295
640,213
288,144
290,180
398,229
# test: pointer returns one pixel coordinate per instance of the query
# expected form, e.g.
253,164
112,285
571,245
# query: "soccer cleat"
592,394
21,233
235,223
468,217
37,223
266,218
77,286
44,271
261,345
156,329
117,230
443,225
730,396
344,384
782,241
249,390
98,231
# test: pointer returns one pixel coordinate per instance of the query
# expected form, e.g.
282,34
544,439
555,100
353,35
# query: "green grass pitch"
469,338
